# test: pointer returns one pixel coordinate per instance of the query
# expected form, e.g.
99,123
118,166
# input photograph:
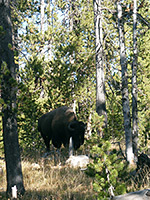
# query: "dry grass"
45,181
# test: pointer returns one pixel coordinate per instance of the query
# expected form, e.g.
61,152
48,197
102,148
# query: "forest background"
55,53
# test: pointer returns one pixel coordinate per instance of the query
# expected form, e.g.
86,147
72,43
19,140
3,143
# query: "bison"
59,126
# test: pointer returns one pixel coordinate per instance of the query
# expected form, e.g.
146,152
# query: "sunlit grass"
43,180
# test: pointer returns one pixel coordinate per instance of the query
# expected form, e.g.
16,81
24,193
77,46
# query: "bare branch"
143,20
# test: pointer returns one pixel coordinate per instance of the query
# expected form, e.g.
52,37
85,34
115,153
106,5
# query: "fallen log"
138,195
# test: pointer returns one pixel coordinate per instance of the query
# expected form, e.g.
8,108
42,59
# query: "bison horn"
71,125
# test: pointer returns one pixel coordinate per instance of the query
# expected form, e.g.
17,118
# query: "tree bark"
42,16
100,82
134,85
125,93
50,13
9,89
42,26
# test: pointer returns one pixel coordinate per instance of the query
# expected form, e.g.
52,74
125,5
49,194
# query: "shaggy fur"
59,125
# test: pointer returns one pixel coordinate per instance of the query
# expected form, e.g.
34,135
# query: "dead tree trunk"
100,82
42,26
125,94
134,85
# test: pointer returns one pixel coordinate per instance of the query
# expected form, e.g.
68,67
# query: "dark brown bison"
59,125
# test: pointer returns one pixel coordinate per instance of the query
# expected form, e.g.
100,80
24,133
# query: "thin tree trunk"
71,27
9,89
125,94
42,26
134,85
42,15
71,150
89,128
100,82
50,13
71,20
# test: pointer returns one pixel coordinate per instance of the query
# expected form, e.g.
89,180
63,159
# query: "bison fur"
59,125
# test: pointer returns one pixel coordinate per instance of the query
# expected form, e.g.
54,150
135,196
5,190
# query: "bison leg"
47,142
57,155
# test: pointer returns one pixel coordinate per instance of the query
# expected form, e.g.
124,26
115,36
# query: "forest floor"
43,180
46,180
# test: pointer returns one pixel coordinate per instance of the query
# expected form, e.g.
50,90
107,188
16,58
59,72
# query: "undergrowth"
43,180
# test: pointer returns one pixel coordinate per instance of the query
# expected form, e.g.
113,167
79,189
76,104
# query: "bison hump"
63,115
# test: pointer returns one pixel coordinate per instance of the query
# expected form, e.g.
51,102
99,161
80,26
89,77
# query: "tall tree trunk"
50,13
9,89
134,85
42,15
100,82
42,25
72,26
125,94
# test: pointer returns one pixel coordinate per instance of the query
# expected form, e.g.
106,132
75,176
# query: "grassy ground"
45,181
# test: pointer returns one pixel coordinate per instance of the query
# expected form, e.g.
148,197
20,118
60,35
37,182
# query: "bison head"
77,130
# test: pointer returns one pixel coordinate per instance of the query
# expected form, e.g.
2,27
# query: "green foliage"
30,105
57,67
107,168
1,136
144,88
